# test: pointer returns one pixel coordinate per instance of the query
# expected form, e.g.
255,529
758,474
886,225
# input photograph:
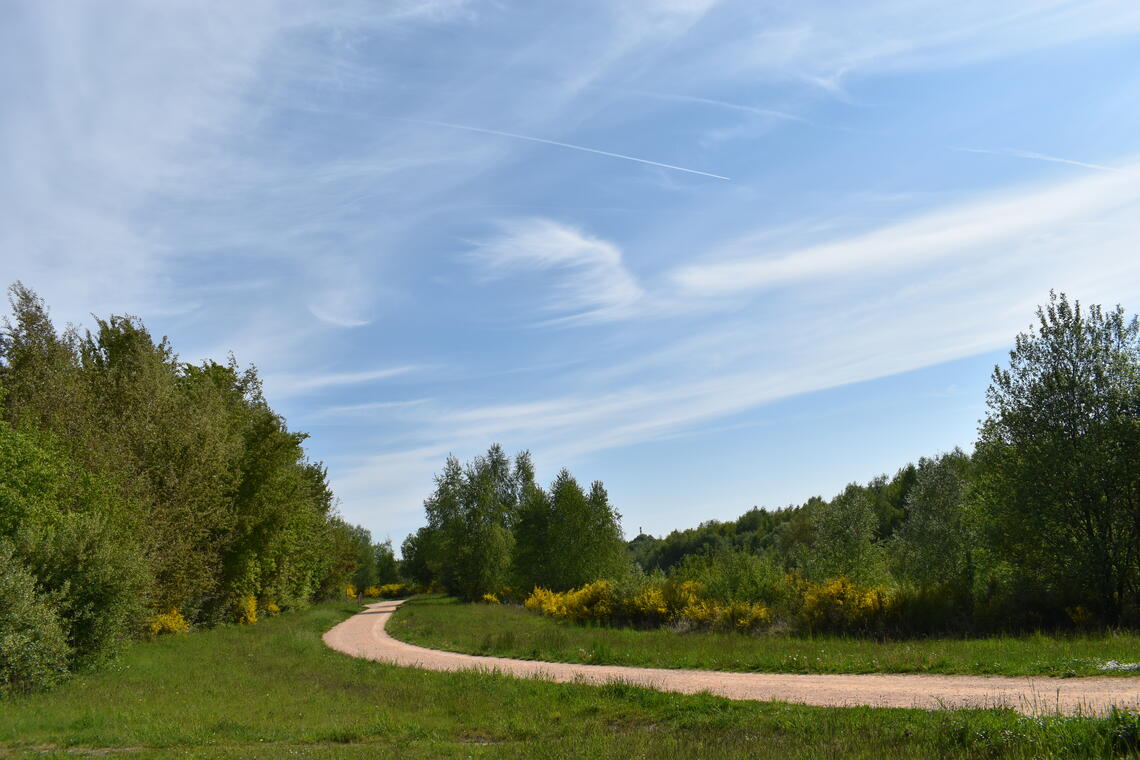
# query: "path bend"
363,635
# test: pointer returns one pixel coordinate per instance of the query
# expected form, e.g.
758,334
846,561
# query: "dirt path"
363,635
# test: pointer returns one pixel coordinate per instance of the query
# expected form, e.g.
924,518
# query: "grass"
274,691
509,631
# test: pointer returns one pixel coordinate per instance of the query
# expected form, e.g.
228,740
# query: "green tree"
387,568
934,547
568,538
843,538
420,560
33,645
472,513
365,574
1058,452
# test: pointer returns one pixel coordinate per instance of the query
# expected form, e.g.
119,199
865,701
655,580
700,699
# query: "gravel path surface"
363,635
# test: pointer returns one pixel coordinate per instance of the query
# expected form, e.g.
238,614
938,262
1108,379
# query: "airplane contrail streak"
572,146
1038,157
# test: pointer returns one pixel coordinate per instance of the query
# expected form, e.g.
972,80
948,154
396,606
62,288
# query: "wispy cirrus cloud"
825,46
265,177
291,385
977,228
592,282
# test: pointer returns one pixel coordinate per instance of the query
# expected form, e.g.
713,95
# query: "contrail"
713,102
1038,157
466,128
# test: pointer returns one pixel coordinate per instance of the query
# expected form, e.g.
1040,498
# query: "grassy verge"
273,690
507,631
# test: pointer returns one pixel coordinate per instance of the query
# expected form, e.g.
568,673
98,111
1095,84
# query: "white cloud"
975,229
594,284
365,410
827,44
291,385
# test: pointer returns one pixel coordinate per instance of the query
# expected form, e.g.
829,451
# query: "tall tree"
567,538
844,538
472,514
1058,451
934,547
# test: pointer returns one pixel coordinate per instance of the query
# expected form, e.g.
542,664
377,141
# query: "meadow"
274,690
510,631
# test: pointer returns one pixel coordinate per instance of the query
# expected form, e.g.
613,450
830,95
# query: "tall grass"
508,631
273,690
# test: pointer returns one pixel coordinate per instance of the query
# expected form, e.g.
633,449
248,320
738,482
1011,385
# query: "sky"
715,254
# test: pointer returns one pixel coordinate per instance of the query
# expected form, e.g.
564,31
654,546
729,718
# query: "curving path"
363,635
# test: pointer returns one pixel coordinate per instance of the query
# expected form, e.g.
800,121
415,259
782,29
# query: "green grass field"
273,690
509,631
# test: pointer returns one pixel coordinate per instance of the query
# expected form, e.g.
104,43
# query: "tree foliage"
491,526
136,486
1059,450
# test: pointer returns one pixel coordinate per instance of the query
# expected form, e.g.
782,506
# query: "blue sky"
716,254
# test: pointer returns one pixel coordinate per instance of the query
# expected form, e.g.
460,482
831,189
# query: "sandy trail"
363,635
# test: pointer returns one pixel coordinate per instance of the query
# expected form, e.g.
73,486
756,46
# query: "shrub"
491,599
594,602
372,592
170,621
94,578
33,647
650,602
736,576
245,610
841,605
744,616
647,606
350,591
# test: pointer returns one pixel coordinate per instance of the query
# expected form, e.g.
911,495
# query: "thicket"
492,530
141,494
1038,528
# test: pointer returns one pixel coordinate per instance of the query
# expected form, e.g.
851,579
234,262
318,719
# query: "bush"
840,605
648,602
95,579
736,576
394,590
245,610
170,621
33,647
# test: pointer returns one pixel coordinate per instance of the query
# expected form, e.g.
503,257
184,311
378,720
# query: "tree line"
140,493
492,530
1037,527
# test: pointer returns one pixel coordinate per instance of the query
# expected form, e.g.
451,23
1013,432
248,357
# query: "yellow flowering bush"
541,601
350,591
271,608
700,613
245,610
648,604
652,603
841,604
170,621
490,599
391,590
678,596
744,616
594,601
372,592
